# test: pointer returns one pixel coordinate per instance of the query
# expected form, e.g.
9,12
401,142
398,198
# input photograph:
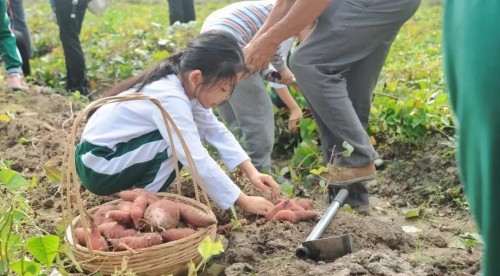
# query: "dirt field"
412,178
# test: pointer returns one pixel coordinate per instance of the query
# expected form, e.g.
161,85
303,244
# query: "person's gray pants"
249,115
338,66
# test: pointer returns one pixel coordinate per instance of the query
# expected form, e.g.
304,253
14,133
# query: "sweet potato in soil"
222,229
295,216
194,216
291,210
162,215
278,207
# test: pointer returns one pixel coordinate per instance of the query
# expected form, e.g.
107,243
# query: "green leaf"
456,243
24,141
322,183
411,213
191,269
43,248
53,174
216,269
319,170
473,236
348,149
12,180
26,268
209,248
5,118
347,208
391,86
69,253
233,211
470,242
287,189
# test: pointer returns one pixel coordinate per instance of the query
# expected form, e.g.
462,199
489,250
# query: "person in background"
21,31
126,144
337,68
284,97
70,15
10,54
472,62
249,112
181,11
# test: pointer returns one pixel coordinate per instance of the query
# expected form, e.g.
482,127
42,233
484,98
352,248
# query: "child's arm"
293,108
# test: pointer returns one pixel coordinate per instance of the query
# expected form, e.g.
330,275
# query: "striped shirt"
126,144
243,20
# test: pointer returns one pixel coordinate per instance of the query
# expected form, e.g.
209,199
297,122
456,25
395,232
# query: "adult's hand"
258,54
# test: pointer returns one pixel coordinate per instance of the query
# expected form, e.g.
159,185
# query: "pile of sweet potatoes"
292,210
140,220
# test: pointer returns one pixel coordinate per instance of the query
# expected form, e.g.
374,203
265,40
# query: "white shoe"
16,82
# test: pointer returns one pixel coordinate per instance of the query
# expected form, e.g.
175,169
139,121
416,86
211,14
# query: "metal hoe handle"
302,252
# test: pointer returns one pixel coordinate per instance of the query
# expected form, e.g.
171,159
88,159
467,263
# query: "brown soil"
415,176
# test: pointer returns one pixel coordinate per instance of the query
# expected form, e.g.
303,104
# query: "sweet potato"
194,216
114,230
80,236
176,234
131,195
137,211
292,205
137,242
295,216
304,203
278,207
162,215
305,215
285,215
97,241
124,206
230,226
122,217
100,214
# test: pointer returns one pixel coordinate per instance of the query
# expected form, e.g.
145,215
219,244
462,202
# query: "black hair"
215,53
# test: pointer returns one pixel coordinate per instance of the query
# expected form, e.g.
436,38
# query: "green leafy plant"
21,252
207,249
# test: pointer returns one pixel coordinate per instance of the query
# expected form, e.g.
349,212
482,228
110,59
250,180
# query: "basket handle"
71,194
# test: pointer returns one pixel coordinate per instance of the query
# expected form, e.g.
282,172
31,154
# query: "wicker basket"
164,259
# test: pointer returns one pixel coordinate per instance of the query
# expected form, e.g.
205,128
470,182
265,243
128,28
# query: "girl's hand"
293,120
254,204
266,184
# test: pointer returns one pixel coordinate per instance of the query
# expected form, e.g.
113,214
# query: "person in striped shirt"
126,145
249,113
